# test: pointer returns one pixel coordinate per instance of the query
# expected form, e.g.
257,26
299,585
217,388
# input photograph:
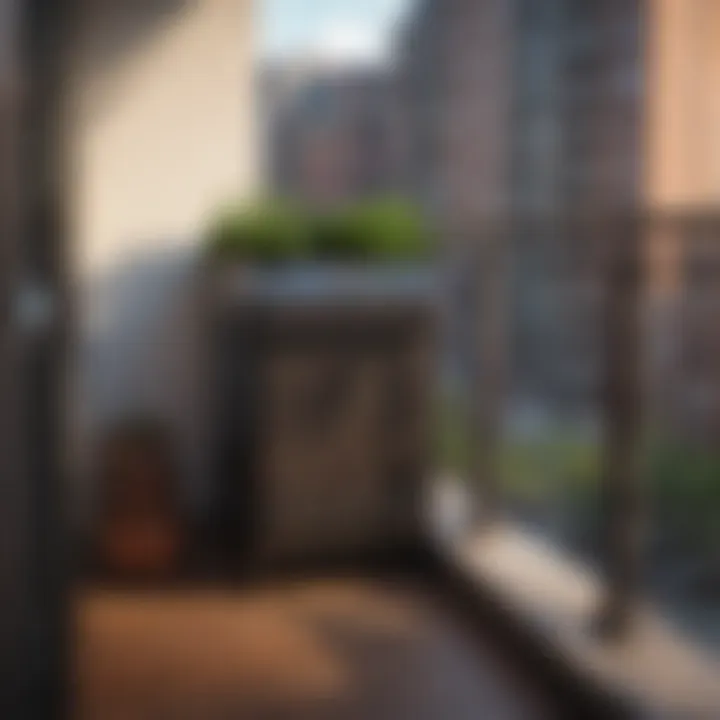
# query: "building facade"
523,106
332,132
538,112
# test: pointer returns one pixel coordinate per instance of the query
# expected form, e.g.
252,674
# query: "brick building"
523,106
332,131
533,112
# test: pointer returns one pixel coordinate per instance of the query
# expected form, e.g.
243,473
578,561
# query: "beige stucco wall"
683,104
162,129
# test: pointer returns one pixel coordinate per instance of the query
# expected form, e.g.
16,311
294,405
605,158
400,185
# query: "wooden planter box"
322,388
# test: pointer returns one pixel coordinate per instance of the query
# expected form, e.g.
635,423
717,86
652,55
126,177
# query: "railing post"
623,502
488,364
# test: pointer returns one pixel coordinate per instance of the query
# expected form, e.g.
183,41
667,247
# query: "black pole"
47,47
33,569
14,564
623,501
488,359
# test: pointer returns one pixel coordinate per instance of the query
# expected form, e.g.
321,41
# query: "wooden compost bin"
322,393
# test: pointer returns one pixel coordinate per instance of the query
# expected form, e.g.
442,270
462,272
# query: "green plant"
275,231
452,435
558,466
562,469
270,232
685,488
385,230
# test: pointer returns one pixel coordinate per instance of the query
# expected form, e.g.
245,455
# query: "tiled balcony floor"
322,649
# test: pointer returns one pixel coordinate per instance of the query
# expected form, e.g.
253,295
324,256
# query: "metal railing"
609,317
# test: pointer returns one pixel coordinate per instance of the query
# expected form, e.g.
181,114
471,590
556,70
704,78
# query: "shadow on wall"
108,32
158,136
142,352
137,318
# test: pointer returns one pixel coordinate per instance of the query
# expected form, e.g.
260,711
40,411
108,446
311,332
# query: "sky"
341,30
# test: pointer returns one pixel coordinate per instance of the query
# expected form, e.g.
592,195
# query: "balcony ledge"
551,598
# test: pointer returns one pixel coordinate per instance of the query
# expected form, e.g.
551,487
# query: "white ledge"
659,669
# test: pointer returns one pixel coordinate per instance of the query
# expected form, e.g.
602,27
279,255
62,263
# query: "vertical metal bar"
45,349
15,617
488,364
33,573
623,501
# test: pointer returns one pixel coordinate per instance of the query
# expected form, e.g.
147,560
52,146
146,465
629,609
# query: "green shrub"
685,488
273,232
560,466
264,233
385,230
564,469
453,446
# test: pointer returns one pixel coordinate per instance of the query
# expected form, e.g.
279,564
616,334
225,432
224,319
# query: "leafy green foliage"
562,470
556,466
266,233
386,230
380,231
686,493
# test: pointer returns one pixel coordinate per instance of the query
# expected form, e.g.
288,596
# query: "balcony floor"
325,648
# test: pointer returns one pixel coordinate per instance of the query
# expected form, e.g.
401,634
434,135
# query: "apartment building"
528,111
333,131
